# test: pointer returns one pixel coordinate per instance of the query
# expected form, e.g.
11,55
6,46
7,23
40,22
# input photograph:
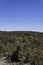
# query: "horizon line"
20,31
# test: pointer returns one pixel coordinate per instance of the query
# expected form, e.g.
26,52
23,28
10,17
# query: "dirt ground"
3,62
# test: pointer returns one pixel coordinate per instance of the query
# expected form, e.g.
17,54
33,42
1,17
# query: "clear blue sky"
25,15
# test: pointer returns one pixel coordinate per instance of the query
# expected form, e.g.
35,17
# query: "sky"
21,15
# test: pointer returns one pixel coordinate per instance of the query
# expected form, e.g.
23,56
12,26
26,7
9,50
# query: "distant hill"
30,42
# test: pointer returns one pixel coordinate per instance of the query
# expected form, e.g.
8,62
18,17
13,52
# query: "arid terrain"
21,48
3,62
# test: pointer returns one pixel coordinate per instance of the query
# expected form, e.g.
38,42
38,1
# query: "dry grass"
16,64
